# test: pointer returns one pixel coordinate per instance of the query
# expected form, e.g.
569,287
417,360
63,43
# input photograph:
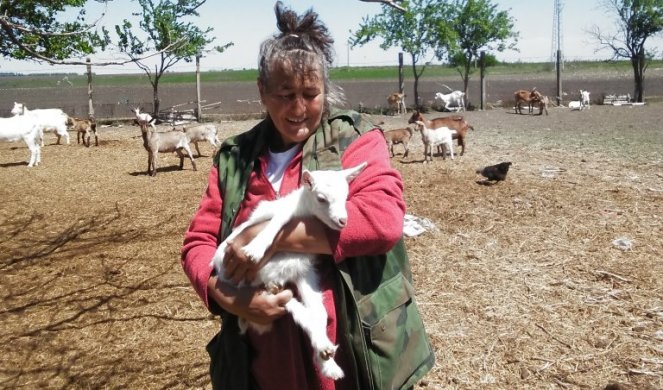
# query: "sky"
247,23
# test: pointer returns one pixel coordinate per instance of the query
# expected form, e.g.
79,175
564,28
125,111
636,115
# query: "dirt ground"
521,285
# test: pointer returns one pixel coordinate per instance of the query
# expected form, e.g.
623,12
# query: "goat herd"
441,132
30,125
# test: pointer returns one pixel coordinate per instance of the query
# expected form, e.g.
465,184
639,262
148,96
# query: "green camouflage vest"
376,301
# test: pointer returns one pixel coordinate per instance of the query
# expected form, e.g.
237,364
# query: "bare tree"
637,21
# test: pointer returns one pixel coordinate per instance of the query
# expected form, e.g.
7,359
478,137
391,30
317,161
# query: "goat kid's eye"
322,199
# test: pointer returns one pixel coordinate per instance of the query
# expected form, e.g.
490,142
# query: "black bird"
495,172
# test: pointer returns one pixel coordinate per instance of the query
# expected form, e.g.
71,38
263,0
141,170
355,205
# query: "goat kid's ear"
352,173
307,179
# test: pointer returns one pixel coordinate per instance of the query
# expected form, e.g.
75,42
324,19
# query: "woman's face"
295,104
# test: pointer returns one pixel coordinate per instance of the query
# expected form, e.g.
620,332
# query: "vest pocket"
395,336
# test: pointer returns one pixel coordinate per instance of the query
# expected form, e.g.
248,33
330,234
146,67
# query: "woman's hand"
239,267
251,303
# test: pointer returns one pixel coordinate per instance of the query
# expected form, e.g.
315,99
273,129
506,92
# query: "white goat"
144,118
584,99
49,119
433,137
323,194
576,105
452,99
202,133
164,142
22,128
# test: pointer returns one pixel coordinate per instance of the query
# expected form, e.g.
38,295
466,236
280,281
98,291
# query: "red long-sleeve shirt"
375,223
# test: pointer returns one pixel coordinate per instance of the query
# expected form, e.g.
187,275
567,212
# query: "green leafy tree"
411,31
164,29
34,30
637,21
478,25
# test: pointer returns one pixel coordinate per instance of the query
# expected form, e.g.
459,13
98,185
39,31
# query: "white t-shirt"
277,164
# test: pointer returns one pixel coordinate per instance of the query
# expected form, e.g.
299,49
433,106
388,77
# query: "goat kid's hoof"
328,353
254,251
331,370
274,288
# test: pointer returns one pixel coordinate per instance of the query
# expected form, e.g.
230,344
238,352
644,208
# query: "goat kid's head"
330,191
419,125
416,116
18,109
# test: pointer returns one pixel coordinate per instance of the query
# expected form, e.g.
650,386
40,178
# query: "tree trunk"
155,98
416,83
466,82
638,63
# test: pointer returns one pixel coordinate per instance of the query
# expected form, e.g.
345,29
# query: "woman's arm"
375,204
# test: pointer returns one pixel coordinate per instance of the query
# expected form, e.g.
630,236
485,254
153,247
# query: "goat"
48,119
297,268
397,102
524,96
576,105
143,118
442,136
584,99
454,122
398,136
20,127
202,133
541,101
453,99
84,129
164,142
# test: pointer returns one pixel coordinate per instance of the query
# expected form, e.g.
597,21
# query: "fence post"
559,77
482,85
199,114
90,106
401,84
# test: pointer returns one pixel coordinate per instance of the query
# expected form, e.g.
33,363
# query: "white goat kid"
584,99
323,194
22,128
454,100
575,105
49,119
144,118
434,137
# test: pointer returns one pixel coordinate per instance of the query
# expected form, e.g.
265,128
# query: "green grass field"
337,74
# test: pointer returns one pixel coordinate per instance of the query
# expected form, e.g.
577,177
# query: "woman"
363,269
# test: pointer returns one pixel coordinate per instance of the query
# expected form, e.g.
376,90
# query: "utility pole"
90,105
199,114
557,33
556,53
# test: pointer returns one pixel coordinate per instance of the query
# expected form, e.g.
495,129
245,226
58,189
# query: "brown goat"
84,129
532,98
541,101
453,122
397,102
398,136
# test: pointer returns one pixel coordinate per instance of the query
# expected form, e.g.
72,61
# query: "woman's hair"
303,45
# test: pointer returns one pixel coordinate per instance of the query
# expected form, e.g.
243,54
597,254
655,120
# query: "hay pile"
521,285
